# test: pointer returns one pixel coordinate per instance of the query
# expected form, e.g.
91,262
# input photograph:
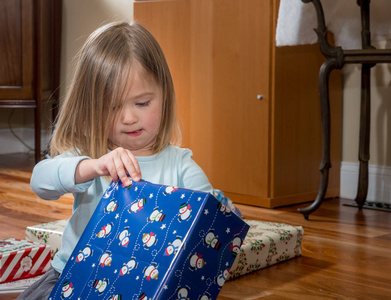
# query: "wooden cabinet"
249,110
30,34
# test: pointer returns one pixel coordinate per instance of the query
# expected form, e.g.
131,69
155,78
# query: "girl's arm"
54,177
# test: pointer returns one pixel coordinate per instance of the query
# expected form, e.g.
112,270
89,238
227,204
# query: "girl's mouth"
135,133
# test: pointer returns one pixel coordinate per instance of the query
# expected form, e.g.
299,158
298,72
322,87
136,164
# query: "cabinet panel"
241,64
16,48
30,35
219,66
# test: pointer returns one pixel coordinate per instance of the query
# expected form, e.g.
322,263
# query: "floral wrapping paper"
47,233
266,244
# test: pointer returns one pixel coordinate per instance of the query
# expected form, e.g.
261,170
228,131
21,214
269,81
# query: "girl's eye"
143,104
117,107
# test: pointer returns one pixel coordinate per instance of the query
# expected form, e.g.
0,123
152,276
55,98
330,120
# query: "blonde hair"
104,62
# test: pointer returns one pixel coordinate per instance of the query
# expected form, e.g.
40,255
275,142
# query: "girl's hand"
116,164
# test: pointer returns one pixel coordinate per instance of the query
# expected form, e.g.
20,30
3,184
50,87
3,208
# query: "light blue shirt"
55,177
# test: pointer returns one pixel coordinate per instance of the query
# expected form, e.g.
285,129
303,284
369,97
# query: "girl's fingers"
120,169
112,169
135,173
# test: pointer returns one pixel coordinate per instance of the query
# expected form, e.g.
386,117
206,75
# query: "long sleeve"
55,177
193,177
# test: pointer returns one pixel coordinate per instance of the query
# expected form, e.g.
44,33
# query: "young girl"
118,119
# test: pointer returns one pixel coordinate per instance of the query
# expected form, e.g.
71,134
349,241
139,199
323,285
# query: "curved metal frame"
336,58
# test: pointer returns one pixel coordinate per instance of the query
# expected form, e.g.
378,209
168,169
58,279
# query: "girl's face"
137,120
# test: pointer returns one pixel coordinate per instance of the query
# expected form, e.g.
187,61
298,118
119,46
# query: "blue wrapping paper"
151,241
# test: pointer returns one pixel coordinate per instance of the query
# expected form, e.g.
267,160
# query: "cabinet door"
219,55
16,50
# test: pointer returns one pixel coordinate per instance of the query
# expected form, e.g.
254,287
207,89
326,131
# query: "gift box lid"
55,227
11,245
22,259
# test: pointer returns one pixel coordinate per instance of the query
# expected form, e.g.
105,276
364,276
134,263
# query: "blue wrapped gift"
151,241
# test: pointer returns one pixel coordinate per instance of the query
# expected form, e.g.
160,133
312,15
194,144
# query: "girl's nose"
129,116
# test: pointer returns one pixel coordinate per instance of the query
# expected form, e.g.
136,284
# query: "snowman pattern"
149,239
100,285
174,247
196,262
83,255
129,266
184,212
112,206
169,190
183,293
235,247
105,259
105,231
124,237
156,215
151,272
137,205
67,290
212,240
220,280
123,231
205,296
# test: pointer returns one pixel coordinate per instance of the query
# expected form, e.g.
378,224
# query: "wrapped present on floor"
151,241
266,244
47,233
22,259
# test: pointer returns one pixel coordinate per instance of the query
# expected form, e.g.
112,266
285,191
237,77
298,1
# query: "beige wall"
80,18
380,143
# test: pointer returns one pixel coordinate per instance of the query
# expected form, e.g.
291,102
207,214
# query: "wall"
80,18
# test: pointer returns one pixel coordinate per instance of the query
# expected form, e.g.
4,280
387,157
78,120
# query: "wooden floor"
346,252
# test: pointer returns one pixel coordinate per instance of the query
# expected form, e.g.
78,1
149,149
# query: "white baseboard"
379,182
10,144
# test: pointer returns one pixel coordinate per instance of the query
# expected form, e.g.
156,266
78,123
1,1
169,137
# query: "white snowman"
156,215
100,285
67,290
220,280
129,266
105,259
124,237
205,296
112,206
196,261
183,293
151,272
143,296
224,208
169,190
137,205
173,247
84,254
211,240
235,247
105,231
149,239
184,212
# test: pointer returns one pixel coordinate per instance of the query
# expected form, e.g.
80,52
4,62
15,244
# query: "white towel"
296,21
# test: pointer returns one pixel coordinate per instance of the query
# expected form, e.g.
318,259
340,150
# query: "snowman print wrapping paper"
150,241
